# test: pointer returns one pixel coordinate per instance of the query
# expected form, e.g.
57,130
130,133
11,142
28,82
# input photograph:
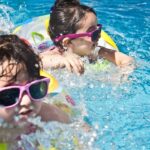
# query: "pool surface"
120,106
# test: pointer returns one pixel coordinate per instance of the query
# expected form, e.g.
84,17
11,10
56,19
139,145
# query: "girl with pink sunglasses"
73,28
22,89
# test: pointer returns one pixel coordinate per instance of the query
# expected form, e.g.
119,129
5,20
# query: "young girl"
73,28
22,89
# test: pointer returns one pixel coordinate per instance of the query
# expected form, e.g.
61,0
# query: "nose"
25,100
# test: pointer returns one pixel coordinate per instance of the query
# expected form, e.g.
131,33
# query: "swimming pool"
121,108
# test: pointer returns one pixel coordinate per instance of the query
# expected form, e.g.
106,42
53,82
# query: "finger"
68,66
80,65
75,66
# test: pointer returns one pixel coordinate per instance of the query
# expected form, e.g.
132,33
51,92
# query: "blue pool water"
121,107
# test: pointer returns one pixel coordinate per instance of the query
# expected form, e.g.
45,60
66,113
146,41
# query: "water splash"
58,135
5,20
52,134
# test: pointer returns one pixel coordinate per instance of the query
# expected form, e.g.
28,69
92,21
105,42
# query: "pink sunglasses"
95,35
10,96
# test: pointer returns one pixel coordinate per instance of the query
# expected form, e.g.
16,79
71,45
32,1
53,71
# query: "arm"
55,59
51,59
115,57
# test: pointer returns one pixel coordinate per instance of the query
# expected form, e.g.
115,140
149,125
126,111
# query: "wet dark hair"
13,48
65,17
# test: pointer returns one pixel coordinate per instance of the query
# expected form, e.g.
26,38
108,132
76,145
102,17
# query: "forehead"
88,21
9,70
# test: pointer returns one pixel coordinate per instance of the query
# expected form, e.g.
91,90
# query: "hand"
73,62
55,59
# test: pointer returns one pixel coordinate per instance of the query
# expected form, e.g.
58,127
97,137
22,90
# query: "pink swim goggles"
95,35
10,96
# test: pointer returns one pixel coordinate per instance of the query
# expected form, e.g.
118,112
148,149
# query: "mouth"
26,114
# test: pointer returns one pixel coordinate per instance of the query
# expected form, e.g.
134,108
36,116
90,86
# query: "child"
73,28
22,89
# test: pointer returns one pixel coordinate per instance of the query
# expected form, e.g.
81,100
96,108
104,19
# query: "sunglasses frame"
77,35
25,88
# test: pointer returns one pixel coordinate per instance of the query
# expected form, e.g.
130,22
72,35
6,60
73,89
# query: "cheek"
37,107
7,114
82,47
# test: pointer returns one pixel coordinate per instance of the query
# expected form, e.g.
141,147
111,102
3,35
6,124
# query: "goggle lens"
96,35
9,97
38,90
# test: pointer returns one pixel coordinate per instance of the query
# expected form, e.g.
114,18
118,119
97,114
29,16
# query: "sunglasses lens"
38,90
96,35
9,97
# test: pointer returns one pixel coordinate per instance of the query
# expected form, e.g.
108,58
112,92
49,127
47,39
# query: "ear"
65,41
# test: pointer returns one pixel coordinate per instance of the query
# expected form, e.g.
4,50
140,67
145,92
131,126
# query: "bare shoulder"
50,112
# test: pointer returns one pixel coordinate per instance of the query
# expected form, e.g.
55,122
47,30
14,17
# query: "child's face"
83,46
25,107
